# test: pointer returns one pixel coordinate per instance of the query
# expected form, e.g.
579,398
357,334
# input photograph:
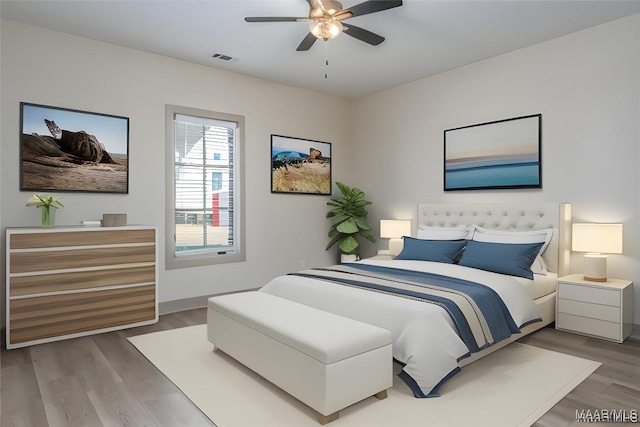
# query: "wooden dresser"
73,281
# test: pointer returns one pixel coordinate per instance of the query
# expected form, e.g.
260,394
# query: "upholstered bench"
324,360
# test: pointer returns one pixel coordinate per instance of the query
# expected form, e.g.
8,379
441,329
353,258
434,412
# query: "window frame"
212,257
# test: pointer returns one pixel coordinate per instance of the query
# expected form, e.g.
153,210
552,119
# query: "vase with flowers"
48,205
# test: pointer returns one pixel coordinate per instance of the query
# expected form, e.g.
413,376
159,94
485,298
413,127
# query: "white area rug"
514,386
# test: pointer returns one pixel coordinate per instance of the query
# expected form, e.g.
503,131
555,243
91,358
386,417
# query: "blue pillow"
514,259
431,250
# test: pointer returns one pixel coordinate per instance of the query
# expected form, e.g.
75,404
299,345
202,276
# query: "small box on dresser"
597,309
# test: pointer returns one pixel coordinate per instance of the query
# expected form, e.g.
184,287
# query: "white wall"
586,85
45,67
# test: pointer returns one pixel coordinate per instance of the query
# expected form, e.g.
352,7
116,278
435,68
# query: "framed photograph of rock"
71,150
300,166
500,154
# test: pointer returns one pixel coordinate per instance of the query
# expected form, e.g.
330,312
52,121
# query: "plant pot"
348,258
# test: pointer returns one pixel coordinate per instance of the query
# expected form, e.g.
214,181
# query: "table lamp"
394,229
597,240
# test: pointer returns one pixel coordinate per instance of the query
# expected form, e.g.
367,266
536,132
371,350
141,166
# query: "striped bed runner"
478,312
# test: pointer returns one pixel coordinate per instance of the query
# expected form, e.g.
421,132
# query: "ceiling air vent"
222,57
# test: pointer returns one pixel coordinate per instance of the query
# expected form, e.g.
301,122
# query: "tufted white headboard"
509,216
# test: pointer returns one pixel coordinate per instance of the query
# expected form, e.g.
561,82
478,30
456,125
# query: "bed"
459,290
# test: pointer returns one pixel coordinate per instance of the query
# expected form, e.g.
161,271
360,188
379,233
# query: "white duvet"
424,336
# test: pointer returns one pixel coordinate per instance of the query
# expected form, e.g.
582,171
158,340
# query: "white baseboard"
182,305
189,303
635,332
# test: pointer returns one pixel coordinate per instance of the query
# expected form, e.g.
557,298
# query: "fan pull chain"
326,58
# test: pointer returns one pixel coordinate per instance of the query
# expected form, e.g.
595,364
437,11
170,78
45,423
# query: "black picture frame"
300,166
503,154
89,154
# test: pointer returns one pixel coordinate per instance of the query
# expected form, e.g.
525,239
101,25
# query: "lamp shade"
394,228
326,29
598,238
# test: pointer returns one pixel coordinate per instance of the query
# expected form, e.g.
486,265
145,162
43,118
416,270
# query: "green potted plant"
348,220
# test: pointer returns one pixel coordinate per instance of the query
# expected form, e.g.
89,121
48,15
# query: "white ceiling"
423,37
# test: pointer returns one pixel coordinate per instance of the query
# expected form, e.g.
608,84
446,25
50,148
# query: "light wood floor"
614,385
102,380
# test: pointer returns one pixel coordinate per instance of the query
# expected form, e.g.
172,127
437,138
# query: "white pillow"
539,266
544,236
444,233
482,234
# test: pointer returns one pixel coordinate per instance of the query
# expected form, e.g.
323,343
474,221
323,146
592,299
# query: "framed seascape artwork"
500,154
300,166
70,150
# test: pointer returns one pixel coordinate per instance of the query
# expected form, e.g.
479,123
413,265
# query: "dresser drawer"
69,281
86,258
589,294
112,236
594,311
55,315
594,327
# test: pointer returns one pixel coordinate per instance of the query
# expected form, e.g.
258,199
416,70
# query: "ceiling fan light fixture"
325,18
321,8
316,13
326,29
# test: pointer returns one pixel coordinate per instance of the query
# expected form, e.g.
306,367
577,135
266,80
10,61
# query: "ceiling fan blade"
275,19
371,6
307,42
362,34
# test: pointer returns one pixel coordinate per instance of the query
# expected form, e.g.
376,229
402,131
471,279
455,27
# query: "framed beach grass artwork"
300,166
494,155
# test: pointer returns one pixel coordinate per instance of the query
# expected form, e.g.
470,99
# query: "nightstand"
597,309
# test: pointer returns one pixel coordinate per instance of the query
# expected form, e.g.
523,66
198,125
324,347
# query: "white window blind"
205,177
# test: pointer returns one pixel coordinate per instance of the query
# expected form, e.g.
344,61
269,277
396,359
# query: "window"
204,216
216,181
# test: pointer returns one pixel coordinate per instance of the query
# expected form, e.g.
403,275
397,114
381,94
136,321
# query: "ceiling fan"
325,18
